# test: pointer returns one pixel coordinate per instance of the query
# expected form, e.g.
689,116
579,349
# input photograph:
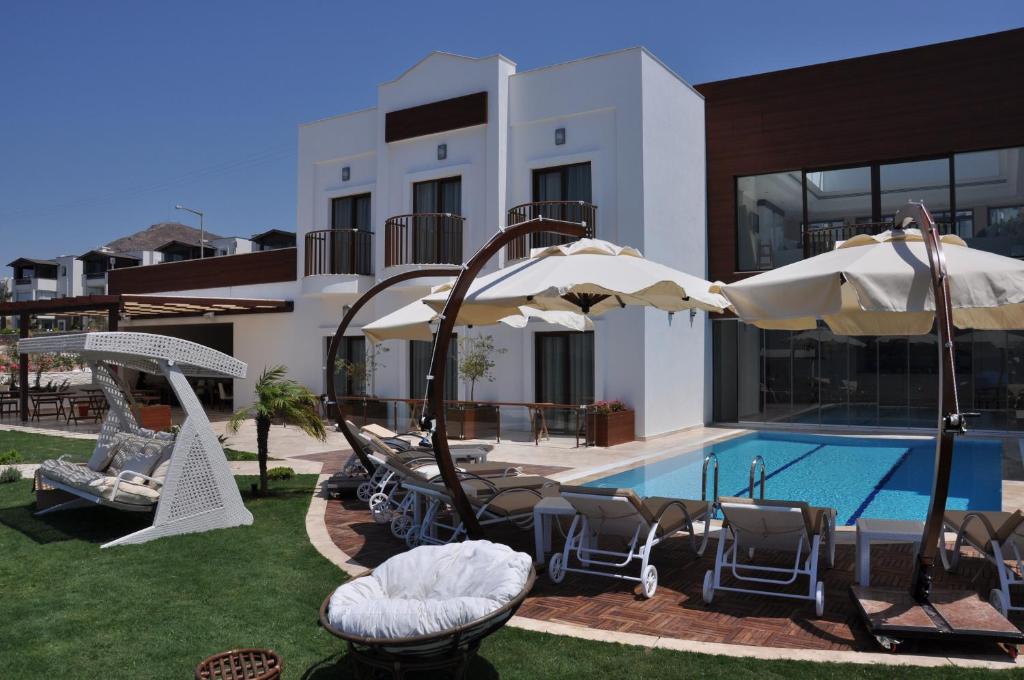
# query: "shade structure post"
950,420
24,321
434,419
346,321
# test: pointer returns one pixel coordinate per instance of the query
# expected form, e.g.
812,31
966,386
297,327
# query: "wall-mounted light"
346,172
442,151
559,136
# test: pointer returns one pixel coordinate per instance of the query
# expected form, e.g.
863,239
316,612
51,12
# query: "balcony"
567,211
423,238
95,276
339,251
818,240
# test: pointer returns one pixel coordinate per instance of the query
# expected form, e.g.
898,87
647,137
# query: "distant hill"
157,235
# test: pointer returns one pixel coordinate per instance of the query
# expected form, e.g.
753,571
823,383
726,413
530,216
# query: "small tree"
476,360
363,373
44,362
284,400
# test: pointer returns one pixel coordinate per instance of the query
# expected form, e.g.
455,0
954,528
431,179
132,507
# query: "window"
769,212
991,185
420,354
352,352
564,187
438,196
351,212
433,239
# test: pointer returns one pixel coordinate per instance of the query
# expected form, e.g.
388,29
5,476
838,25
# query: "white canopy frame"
199,492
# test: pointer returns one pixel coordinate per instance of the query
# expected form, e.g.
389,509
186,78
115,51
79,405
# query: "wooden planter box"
472,422
610,429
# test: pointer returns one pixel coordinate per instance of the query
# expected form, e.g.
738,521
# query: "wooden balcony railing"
339,251
819,240
423,238
567,211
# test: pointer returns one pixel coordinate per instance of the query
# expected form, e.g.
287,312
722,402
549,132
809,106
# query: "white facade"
638,125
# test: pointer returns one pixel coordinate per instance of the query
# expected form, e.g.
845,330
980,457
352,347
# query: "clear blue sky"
112,112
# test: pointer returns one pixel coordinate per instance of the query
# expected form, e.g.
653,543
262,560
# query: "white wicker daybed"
184,478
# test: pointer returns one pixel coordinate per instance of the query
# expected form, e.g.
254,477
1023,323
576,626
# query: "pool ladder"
758,462
708,460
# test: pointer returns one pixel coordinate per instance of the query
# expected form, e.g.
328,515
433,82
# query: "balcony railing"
339,251
567,211
23,280
423,238
819,240
95,275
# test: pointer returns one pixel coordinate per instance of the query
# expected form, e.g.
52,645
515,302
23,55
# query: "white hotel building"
455,148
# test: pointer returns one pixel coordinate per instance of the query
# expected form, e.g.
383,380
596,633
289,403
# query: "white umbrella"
881,285
415,321
587,275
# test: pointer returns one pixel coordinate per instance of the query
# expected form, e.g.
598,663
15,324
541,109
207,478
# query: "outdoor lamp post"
202,231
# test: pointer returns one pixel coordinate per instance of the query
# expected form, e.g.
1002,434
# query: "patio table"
543,513
47,399
883,531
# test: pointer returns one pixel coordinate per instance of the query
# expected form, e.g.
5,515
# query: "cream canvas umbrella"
415,321
901,282
589,276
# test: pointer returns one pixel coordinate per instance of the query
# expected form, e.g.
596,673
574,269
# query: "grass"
35,448
70,609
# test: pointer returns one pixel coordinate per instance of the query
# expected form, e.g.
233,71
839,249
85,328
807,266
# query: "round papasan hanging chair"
429,608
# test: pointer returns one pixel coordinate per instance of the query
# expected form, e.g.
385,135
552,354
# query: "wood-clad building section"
965,95
268,266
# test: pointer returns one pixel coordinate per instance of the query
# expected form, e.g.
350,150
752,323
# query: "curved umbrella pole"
434,419
951,421
332,352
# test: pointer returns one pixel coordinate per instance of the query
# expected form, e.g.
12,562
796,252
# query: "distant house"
273,239
96,264
176,251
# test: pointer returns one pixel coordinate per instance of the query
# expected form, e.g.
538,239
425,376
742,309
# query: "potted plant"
362,378
476,362
610,423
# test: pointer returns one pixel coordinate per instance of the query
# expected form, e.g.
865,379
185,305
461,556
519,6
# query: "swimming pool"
886,478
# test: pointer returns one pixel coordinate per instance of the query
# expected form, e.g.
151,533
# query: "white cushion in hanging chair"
430,590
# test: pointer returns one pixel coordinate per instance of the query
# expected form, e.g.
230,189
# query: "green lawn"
71,610
35,448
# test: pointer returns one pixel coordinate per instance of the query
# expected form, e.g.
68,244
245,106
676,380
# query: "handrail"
754,464
580,212
704,478
339,251
423,238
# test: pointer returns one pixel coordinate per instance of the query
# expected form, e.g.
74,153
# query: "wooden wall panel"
269,266
448,114
957,96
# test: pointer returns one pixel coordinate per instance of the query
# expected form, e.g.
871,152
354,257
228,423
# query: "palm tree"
284,400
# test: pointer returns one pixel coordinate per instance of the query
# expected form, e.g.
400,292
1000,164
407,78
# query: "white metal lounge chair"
191,488
999,536
622,519
440,523
785,526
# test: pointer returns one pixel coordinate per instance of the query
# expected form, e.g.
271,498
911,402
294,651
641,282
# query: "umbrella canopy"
881,285
414,322
589,276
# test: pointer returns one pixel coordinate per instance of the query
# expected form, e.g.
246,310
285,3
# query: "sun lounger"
999,536
614,527
769,525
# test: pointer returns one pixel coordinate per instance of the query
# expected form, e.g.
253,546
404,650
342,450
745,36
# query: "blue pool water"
859,477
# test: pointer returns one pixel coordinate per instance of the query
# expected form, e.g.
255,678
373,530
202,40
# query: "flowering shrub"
606,407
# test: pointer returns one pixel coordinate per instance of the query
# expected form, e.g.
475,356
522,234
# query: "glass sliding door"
560,190
432,240
564,373
351,252
420,356
777,372
769,215
351,352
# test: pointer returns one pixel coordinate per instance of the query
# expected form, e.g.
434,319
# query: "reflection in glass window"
991,185
926,181
836,201
769,212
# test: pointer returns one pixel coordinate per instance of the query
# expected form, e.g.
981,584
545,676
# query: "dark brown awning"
144,306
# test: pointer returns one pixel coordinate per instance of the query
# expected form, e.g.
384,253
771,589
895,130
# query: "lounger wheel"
649,581
556,569
400,526
708,592
364,491
819,599
380,508
412,538
996,599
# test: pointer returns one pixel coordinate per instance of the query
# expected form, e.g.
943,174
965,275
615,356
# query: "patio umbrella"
888,285
415,321
589,276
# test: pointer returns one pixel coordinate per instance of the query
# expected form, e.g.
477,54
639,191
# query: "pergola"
125,306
